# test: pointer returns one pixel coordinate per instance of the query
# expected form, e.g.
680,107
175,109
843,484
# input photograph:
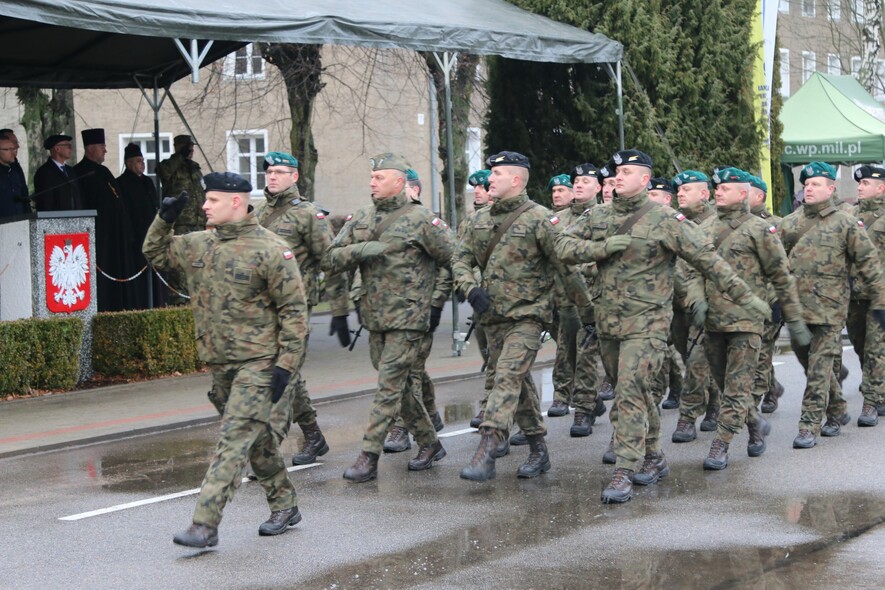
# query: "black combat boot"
717,458
365,468
503,448
606,391
620,489
805,440
758,429
582,426
608,457
834,424
519,439
598,410
314,445
557,409
426,456
685,431
397,440
710,421
868,416
653,468
672,401
843,374
477,420
197,535
482,466
770,401
880,408
279,522
437,421
538,461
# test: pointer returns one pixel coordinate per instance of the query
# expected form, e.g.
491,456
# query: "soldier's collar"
390,203
230,231
629,204
731,211
823,208
871,204
289,194
506,205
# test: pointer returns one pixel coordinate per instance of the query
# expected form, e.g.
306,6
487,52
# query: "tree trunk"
45,113
301,68
871,42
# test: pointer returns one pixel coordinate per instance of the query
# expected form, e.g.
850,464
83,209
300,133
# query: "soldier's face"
387,183
630,180
818,189
221,208
869,188
505,181
562,196
280,178
608,189
692,193
586,188
731,193
135,165
480,196
660,197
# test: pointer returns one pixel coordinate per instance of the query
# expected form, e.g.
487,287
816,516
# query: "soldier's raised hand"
171,207
799,333
616,244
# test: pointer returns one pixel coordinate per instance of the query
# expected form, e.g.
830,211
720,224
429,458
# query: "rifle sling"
730,227
502,229
382,227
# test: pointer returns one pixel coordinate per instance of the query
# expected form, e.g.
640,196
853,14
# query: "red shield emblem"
67,272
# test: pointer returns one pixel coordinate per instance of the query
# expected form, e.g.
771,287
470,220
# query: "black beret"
133,150
868,171
632,158
92,136
661,184
586,169
607,171
226,182
508,159
52,140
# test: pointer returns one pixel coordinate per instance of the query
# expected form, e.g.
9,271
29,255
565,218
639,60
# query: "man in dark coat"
55,184
13,188
113,238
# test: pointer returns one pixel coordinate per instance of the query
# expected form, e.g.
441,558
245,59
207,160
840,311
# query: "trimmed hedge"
39,354
144,343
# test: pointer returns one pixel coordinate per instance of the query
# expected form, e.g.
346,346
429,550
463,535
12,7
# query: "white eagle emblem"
68,268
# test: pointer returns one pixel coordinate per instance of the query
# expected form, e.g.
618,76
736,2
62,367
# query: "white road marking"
157,499
456,432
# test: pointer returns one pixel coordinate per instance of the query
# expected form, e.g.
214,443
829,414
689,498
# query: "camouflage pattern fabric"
733,357
177,174
587,380
821,394
423,379
764,378
566,336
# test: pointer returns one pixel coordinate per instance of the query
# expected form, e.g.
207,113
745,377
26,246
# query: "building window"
784,6
808,8
146,142
834,9
785,72
834,64
855,66
474,151
245,156
246,62
859,11
809,65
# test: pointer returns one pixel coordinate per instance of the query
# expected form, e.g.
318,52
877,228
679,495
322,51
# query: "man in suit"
55,188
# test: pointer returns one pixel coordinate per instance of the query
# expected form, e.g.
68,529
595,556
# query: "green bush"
40,354
144,343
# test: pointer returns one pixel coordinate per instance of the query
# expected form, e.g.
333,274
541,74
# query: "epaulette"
295,202
827,211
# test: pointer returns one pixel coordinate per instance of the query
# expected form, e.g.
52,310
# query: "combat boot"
482,466
653,468
397,440
805,440
770,401
437,421
834,424
559,408
519,439
606,391
197,535
717,459
880,409
608,457
868,416
709,423
685,431
843,374
598,410
620,489
314,445
477,420
426,456
503,448
672,401
538,461
758,429
365,468
581,426
279,522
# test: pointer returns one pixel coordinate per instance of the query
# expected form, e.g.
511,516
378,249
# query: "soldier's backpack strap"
705,215
730,227
277,212
628,225
502,229
805,229
382,227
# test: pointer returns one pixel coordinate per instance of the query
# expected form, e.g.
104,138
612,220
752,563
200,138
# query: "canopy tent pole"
620,105
434,149
194,57
188,127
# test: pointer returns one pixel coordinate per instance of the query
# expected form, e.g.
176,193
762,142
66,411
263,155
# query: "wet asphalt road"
790,519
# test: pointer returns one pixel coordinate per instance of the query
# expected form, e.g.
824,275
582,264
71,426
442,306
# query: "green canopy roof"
832,119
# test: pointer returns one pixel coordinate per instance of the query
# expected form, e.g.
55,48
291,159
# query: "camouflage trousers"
733,358
586,384
763,380
700,393
243,391
633,365
295,405
395,355
868,340
513,347
482,342
566,335
428,391
671,373
822,392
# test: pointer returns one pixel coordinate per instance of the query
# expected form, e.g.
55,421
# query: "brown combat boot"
426,456
365,468
397,440
582,426
868,416
620,489
685,431
314,445
717,459
606,391
538,461
482,466
197,535
653,468
805,439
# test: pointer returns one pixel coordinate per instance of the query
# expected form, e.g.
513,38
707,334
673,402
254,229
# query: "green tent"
832,119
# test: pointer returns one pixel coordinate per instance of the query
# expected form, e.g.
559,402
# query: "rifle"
356,335
589,335
472,323
694,343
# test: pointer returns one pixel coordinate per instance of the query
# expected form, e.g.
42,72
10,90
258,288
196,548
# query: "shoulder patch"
554,220
320,215
679,216
349,217
435,221
772,229
287,254
860,223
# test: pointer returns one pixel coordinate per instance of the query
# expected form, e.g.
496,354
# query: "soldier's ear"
296,175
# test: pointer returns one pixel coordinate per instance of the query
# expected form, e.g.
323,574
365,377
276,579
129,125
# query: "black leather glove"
459,295
777,313
339,326
879,314
278,383
435,316
479,300
171,207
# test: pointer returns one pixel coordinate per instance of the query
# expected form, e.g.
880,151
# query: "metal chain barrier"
138,274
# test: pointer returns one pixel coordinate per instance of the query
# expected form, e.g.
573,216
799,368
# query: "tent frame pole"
193,56
620,104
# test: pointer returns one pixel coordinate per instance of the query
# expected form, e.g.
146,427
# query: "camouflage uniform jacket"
177,174
519,275
247,298
399,287
566,218
762,212
588,270
307,231
691,284
633,293
754,251
465,223
872,213
821,257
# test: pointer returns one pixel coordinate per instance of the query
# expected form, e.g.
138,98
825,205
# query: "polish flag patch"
772,230
320,215
287,254
860,223
349,217
436,221
554,220
680,217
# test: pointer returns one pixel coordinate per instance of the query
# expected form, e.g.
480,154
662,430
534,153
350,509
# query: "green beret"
757,182
731,175
560,180
480,177
226,182
689,176
813,169
280,159
876,172
508,159
632,158
388,161
411,175
661,184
